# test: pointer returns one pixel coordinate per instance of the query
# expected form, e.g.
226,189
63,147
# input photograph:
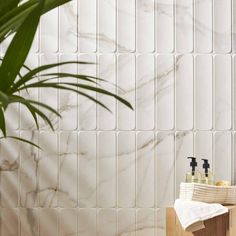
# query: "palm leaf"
2,122
19,48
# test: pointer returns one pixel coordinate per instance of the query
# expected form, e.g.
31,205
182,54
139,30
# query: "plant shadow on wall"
22,18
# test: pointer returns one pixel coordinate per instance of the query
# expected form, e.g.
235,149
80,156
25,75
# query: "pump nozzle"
193,164
206,166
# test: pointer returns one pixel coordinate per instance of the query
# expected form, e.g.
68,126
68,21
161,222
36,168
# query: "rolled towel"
191,214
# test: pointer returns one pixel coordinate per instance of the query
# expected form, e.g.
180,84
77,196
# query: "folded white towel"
191,214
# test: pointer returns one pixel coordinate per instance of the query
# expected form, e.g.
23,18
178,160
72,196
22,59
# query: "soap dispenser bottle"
193,176
207,176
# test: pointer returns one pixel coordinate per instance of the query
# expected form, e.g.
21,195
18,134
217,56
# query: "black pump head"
206,166
193,164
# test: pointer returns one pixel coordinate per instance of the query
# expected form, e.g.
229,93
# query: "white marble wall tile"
126,89
145,91
165,158
222,26
233,176
126,25
106,182
165,173
106,25
165,92
233,20
9,221
145,222
164,27
126,221
29,174
126,169
87,30
68,30
50,96
203,148
184,26
222,156
29,221
106,217
203,92
222,95
9,174
87,108
26,121
68,170
68,101
48,169
160,219
145,24
107,71
48,222
234,89
49,31
203,26
184,92
87,222
87,169
68,222
183,148
145,177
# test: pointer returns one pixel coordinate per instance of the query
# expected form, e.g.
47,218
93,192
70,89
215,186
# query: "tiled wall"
113,174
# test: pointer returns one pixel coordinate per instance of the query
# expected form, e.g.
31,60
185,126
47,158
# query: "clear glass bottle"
207,176
193,176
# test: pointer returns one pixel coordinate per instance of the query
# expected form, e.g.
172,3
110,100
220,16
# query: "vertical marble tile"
48,169
49,32
222,95
126,169
29,171
203,26
203,148
233,177
68,101
126,25
107,217
87,29
25,121
145,24
165,92
145,185
68,169
9,221
222,26
49,95
223,156
164,27
9,174
164,171
126,89
68,222
203,92
164,176
87,169
126,221
145,92
233,22
87,108
183,149
160,220
107,71
184,26
87,224
68,30
184,92
48,222
106,169
106,25
233,85
145,222
29,221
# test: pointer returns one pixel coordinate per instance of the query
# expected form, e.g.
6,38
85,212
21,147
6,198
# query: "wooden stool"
223,225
